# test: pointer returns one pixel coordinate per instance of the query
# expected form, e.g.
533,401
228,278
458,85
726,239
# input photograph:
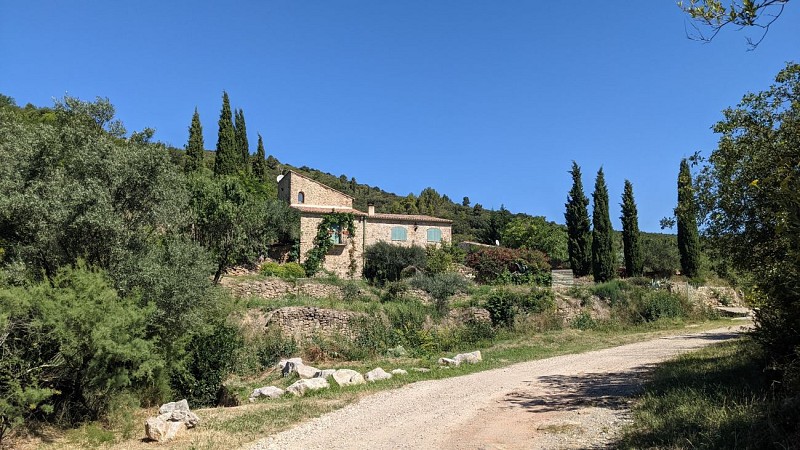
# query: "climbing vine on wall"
323,241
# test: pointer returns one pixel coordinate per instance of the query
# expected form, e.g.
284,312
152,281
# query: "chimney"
370,209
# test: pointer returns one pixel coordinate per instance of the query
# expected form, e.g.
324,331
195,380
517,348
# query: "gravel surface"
571,401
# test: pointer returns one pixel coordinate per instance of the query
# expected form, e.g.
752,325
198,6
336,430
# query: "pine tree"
227,158
686,215
630,233
578,231
242,144
195,147
602,248
260,162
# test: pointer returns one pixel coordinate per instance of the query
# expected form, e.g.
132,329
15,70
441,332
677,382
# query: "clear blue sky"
491,100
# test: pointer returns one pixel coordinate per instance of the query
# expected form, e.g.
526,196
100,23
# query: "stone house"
314,200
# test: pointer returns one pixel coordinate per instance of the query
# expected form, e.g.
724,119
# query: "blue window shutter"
434,235
399,233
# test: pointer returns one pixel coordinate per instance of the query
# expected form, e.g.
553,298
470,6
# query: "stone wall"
315,194
302,322
277,288
338,259
416,231
710,295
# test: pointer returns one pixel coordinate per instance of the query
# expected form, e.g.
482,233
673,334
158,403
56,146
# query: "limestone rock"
267,391
180,405
325,373
377,374
160,430
282,363
305,371
448,362
300,387
399,372
469,358
421,369
348,377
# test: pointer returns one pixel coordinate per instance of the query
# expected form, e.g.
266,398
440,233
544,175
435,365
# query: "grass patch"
717,397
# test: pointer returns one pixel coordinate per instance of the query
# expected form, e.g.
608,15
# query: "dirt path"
571,401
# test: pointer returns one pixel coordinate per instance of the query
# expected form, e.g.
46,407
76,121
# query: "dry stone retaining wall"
302,322
276,288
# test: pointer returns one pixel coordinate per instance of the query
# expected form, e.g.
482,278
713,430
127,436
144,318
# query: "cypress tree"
630,233
241,139
686,215
227,158
602,248
195,147
578,231
260,162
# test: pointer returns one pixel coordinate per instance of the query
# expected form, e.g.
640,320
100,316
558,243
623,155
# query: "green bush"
583,321
440,258
384,262
663,304
70,346
538,300
210,358
613,291
441,286
506,265
290,270
502,306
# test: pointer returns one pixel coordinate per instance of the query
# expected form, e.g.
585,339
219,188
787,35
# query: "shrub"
441,286
351,291
506,265
502,306
209,360
290,270
70,346
440,258
663,304
384,262
583,321
538,300
613,290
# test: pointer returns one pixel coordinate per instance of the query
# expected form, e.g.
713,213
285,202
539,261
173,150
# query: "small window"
399,234
434,235
301,197
336,235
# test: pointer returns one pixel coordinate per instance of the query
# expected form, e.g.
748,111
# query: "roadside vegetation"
718,397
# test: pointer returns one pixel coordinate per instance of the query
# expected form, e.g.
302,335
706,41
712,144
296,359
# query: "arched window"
434,235
399,234
301,197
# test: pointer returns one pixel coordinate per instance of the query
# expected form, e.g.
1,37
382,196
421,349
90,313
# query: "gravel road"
571,401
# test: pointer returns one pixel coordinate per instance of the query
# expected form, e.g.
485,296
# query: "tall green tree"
195,148
578,229
240,129
749,193
260,162
686,216
536,233
228,158
603,264
630,233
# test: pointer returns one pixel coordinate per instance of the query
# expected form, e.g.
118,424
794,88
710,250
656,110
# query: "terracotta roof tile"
410,217
319,210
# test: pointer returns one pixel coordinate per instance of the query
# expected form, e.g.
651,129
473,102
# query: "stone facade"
314,200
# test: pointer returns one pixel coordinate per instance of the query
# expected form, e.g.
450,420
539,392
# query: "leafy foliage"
536,233
748,190
70,346
384,262
603,261
324,240
578,229
506,265
242,144
630,233
289,270
259,163
440,258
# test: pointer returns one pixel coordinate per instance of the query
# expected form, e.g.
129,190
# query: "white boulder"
348,377
325,373
300,387
399,372
469,358
377,374
448,362
267,391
